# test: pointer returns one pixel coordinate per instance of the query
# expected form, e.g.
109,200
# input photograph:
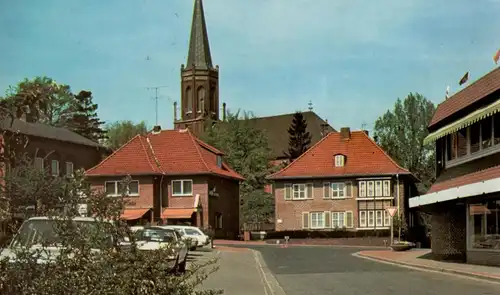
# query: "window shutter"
348,219
305,220
288,191
326,190
348,189
310,191
328,220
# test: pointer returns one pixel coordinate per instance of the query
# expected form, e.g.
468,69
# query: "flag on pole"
464,79
496,57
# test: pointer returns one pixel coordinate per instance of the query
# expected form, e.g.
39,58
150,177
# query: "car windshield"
192,232
44,232
155,235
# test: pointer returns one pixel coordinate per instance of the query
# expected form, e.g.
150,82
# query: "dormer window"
219,161
339,160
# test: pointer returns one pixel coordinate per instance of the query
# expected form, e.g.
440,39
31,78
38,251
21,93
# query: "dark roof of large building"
45,131
276,129
199,48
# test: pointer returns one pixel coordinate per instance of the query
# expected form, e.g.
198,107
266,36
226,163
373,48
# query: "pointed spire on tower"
199,49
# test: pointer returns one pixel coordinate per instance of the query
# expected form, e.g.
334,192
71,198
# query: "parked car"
197,237
38,232
154,237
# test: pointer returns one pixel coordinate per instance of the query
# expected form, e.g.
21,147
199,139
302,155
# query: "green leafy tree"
92,257
401,134
84,119
40,100
300,138
120,132
247,152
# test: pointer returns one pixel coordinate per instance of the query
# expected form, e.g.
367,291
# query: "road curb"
270,281
468,275
302,245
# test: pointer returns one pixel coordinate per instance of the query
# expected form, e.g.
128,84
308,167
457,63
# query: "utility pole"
310,104
156,97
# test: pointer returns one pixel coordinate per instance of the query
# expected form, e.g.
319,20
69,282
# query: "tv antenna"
156,97
310,104
363,126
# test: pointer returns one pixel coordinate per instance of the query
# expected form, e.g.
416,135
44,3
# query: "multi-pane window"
339,160
39,163
362,218
370,189
472,140
69,169
362,189
338,190
338,219
54,167
317,219
379,220
182,187
327,220
114,188
371,218
299,191
387,188
378,188
374,218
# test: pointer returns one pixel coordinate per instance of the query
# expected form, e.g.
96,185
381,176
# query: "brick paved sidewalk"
411,258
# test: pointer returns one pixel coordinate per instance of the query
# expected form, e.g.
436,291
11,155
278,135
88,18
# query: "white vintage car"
154,237
195,235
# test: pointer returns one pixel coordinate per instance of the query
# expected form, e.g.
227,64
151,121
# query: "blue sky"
352,59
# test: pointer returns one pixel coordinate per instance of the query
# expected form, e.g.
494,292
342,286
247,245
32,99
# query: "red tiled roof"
486,85
134,156
363,157
478,176
169,151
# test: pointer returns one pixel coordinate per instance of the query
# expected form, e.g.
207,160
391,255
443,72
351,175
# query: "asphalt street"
326,270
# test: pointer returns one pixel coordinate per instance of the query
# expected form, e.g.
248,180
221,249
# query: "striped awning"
468,120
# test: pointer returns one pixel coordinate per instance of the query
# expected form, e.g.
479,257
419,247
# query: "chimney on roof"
156,129
175,111
223,111
366,132
345,133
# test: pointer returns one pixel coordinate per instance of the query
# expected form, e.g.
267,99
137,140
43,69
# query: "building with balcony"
465,199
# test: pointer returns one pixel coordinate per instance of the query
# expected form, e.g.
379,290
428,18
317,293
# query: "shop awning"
131,214
468,120
177,213
478,210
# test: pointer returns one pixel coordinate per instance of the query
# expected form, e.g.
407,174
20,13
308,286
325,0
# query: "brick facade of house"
164,161
346,181
290,212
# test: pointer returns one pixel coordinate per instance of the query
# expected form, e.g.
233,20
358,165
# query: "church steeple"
199,79
199,48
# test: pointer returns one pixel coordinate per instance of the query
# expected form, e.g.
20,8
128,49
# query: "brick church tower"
199,79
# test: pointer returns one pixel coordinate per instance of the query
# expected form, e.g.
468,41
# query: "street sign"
391,210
